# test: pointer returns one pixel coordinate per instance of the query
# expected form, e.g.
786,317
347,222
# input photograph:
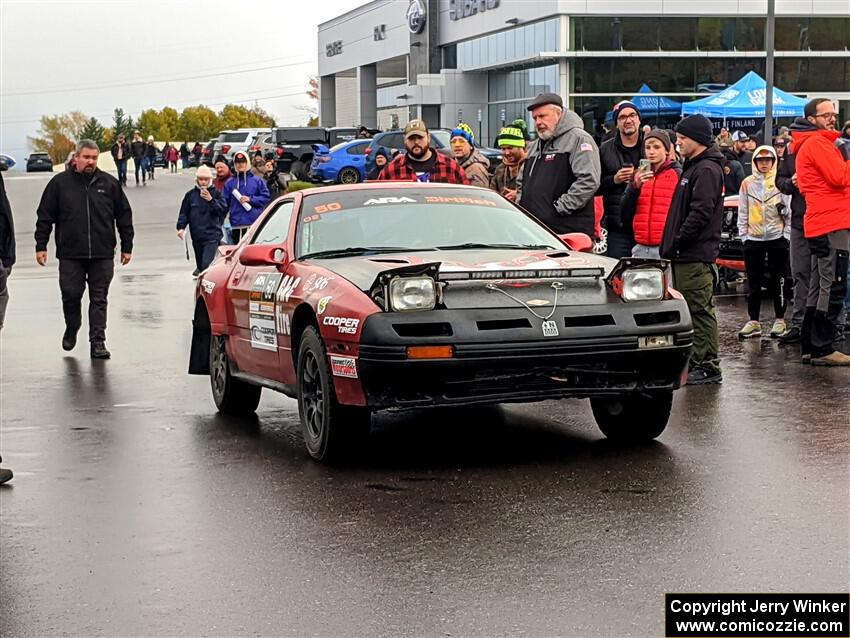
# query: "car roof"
390,185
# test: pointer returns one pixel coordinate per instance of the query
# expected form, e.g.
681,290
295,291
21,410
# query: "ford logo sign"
416,16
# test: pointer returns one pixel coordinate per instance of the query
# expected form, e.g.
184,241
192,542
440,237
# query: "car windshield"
441,138
231,138
379,220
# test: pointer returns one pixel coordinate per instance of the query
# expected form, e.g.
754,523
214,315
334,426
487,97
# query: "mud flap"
199,355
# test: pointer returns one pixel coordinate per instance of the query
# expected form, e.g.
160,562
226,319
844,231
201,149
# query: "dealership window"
813,74
511,91
815,34
512,44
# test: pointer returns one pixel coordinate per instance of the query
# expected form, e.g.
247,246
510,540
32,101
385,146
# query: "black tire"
231,395
332,432
633,418
300,171
348,175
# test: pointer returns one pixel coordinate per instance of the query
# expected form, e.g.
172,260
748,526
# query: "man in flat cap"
561,173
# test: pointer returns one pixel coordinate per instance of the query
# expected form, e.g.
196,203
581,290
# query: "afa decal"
344,325
263,335
343,366
389,200
323,304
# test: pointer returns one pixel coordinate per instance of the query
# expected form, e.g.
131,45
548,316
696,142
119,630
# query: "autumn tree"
58,135
198,124
234,116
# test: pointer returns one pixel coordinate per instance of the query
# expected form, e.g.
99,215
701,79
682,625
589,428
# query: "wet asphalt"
137,510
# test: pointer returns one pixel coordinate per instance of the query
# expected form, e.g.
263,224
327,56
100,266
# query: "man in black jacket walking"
7,260
692,240
86,205
121,155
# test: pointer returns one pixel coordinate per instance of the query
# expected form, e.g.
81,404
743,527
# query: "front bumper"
492,365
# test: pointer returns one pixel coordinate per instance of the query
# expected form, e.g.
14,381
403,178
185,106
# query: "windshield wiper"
361,250
474,245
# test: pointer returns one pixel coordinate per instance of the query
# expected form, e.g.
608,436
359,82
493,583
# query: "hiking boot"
99,351
792,336
779,328
69,339
751,329
836,358
701,376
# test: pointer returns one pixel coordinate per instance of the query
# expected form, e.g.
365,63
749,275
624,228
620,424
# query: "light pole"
768,103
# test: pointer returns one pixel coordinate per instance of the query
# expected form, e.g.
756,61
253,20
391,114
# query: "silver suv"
239,140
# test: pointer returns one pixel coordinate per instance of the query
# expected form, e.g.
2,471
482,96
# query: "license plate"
550,329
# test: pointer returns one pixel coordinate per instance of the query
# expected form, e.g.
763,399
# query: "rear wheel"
300,170
231,395
332,432
639,417
348,175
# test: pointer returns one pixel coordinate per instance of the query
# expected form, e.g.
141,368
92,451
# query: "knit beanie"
698,128
619,106
661,136
510,136
522,125
465,132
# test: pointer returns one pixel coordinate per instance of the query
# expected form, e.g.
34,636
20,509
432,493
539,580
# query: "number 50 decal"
327,208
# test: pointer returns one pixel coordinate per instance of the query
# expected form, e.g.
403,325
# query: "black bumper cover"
492,365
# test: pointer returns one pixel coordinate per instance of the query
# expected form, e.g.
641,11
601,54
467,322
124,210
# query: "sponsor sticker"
550,329
389,200
344,325
207,286
287,288
343,366
319,284
263,335
323,304
262,295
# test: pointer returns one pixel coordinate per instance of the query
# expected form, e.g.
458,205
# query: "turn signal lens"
430,352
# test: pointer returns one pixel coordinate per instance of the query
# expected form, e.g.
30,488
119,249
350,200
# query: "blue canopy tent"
650,104
745,99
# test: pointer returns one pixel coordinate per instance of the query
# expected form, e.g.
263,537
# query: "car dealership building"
481,61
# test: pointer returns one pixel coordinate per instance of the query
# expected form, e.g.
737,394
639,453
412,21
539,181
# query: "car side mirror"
262,255
578,242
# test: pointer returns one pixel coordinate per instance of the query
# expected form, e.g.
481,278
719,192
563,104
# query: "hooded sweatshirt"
823,177
762,211
251,186
560,177
476,168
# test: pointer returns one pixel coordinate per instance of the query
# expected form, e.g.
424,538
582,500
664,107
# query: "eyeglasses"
829,116
630,116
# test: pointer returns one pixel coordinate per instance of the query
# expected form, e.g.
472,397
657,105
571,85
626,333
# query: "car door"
253,293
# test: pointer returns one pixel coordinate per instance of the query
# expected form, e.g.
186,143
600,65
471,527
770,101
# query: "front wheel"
633,418
231,395
332,432
348,176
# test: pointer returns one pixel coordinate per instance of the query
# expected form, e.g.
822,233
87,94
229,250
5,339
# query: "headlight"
643,284
413,293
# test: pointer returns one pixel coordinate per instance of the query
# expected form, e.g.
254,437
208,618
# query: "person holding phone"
619,157
202,211
646,200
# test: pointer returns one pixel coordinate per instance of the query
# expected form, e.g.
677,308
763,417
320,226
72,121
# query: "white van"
239,140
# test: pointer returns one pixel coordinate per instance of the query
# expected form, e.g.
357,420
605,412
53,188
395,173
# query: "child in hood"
764,226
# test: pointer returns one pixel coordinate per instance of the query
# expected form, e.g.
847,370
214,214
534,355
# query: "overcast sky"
92,56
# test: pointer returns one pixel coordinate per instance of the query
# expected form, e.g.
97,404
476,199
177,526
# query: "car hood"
362,271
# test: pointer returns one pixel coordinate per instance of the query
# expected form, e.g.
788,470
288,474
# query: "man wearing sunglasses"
823,177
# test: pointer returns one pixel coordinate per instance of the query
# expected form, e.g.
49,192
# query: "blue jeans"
185,161
121,165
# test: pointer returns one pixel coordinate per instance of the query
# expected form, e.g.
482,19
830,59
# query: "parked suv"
239,140
39,162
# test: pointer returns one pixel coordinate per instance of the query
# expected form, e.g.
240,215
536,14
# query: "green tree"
121,125
93,130
235,116
198,124
58,135
169,124
149,123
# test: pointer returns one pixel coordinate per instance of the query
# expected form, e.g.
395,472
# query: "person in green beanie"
511,142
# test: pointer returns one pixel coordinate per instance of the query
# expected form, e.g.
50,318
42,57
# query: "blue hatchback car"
344,163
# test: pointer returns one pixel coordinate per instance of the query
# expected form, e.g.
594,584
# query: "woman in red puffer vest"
646,201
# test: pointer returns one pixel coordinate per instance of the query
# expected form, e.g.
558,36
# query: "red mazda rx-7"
367,297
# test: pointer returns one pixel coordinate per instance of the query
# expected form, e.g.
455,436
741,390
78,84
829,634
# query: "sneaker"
69,339
99,351
196,272
779,328
836,358
806,359
701,376
751,329
791,336
5,475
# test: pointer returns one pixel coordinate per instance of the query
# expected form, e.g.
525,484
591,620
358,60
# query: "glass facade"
707,34
512,44
511,91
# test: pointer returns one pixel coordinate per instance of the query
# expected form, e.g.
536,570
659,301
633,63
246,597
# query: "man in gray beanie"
692,240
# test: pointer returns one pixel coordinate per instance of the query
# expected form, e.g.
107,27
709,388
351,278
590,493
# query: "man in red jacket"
823,177
422,163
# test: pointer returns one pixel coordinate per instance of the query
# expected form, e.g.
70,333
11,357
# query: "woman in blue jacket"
245,194
203,211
